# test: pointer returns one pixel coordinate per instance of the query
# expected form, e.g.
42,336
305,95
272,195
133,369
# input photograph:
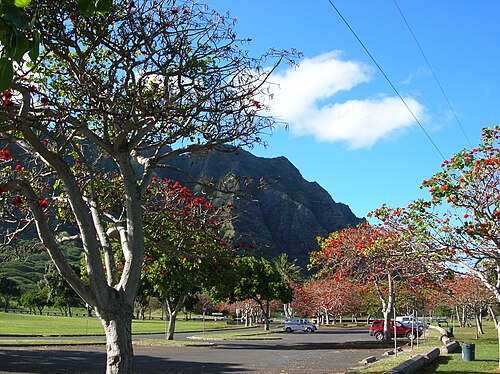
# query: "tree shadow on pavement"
311,346
85,361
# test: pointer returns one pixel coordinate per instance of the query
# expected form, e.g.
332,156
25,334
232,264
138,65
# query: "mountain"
277,210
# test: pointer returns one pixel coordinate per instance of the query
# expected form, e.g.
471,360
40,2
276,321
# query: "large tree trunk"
117,323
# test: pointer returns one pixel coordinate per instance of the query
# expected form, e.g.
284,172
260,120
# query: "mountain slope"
277,209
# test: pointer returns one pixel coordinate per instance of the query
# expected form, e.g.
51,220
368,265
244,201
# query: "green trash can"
468,351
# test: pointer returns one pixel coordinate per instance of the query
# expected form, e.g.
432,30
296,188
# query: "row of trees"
455,231
51,290
185,256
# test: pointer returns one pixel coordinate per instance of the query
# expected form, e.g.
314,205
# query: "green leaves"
6,73
22,3
90,7
34,51
14,16
14,37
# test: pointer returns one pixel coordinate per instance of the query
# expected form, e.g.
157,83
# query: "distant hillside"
278,210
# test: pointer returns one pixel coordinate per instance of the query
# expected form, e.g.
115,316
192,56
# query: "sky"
348,128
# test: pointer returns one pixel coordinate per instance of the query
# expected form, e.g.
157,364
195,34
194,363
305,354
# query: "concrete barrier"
450,347
369,360
432,354
409,366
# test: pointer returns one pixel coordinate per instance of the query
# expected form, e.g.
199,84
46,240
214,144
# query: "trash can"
450,332
468,351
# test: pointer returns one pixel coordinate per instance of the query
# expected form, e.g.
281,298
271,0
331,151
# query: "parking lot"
325,351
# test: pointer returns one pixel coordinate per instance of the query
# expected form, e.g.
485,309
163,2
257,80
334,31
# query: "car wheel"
379,336
288,329
410,336
309,329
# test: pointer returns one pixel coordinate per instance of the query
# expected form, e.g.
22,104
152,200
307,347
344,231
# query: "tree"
257,280
471,295
18,35
36,299
184,252
458,227
59,292
291,273
330,298
365,254
143,297
127,90
9,288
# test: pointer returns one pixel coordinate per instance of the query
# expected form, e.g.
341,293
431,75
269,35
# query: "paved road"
326,351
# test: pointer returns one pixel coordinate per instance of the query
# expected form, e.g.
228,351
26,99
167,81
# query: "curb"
415,363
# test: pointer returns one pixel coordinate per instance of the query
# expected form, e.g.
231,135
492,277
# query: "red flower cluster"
43,203
256,104
16,200
7,99
5,154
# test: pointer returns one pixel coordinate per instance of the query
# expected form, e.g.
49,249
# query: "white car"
299,324
410,321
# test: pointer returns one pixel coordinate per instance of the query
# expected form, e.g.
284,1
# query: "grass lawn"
36,325
486,354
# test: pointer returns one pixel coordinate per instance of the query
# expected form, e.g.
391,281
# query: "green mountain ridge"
278,210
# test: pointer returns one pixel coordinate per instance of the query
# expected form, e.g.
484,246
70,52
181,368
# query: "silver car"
299,324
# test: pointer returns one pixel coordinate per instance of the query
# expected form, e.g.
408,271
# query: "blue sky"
348,130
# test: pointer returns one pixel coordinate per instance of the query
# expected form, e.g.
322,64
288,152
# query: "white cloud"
306,100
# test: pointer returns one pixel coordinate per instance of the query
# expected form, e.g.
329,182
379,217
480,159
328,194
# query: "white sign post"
237,316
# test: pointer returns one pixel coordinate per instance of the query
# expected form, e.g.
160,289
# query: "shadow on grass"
438,366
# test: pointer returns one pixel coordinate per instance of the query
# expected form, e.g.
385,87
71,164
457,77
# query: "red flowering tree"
470,297
365,254
330,298
184,250
459,227
302,304
127,90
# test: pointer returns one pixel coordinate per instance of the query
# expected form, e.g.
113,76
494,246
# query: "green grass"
41,342
42,325
486,354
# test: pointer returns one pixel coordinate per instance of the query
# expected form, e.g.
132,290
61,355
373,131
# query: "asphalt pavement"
325,351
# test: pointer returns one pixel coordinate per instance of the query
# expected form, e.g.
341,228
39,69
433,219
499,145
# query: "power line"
386,78
433,74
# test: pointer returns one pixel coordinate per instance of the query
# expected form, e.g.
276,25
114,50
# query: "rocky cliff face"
277,209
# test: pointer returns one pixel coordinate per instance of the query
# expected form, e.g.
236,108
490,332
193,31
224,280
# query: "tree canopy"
124,90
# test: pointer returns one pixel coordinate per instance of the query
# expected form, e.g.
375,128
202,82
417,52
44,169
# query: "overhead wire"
387,78
433,73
